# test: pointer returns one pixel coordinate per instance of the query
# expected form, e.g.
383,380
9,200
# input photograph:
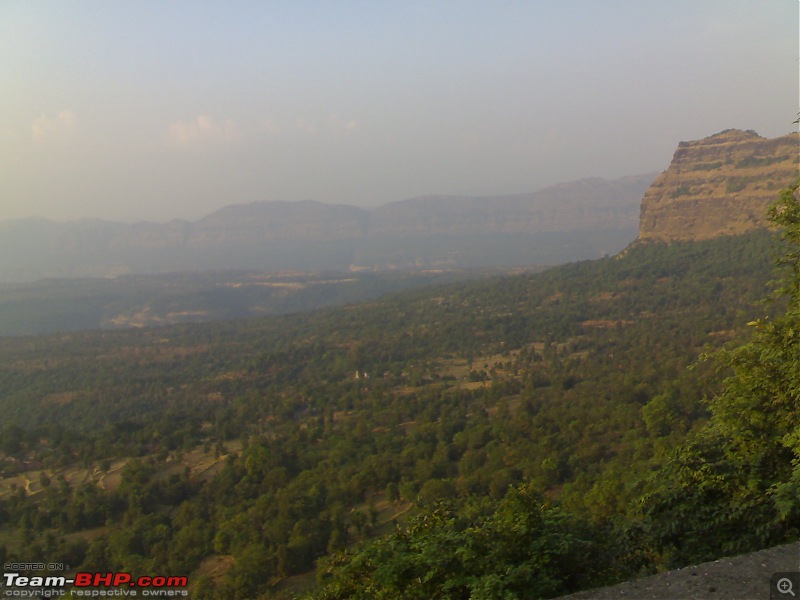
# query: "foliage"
572,382
735,485
522,546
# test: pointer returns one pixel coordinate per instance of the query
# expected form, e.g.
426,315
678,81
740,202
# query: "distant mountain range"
719,185
569,221
271,257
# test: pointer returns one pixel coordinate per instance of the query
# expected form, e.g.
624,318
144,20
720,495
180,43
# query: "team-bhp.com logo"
93,585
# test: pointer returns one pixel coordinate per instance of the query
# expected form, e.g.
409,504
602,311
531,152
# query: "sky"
151,110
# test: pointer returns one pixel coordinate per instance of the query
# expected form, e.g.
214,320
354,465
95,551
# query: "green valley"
538,419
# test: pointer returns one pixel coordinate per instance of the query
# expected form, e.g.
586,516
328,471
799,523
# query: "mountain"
577,206
525,436
720,185
569,221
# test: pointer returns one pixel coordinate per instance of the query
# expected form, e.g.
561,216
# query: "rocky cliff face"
720,185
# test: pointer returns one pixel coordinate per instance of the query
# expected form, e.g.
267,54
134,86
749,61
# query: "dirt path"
745,577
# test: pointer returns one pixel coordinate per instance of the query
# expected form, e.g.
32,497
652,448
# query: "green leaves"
521,546
735,486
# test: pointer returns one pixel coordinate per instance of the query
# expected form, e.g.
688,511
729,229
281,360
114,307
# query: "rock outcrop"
720,185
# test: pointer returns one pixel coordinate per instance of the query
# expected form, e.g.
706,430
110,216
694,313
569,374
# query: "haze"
160,110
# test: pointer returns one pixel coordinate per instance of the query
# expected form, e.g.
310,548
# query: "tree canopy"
735,485
470,440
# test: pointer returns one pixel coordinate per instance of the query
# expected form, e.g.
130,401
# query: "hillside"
240,453
524,436
570,221
720,185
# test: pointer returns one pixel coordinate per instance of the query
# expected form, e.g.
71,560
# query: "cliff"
720,185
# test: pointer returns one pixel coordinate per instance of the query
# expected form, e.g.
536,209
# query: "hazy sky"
137,109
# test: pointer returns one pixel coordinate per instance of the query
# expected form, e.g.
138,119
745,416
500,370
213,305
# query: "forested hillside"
521,436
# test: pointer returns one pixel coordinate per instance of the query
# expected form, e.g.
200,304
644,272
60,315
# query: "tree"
520,546
735,486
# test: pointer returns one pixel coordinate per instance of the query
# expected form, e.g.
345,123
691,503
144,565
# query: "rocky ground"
745,577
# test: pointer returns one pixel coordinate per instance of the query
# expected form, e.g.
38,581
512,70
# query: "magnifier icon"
784,586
